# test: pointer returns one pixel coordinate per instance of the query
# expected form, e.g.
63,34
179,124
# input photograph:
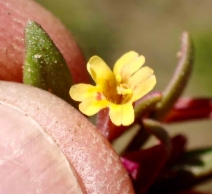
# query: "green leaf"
146,104
149,127
179,79
44,65
197,162
139,138
194,167
155,128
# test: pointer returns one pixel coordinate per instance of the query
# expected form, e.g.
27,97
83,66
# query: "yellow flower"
116,89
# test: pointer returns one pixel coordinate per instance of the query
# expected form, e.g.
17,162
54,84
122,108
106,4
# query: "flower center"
120,93
123,89
123,92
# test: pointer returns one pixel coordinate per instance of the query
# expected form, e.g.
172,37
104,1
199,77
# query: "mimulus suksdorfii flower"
116,89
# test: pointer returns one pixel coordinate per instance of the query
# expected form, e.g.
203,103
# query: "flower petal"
91,106
124,60
122,114
129,69
80,92
100,72
140,76
143,88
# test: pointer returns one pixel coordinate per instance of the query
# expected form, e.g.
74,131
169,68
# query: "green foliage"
44,65
179,79
192,168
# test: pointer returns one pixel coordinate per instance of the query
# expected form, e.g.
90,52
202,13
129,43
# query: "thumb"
46,146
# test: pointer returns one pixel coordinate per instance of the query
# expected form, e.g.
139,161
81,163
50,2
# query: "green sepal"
44,65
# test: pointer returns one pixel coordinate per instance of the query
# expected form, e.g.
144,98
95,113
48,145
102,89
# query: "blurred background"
152,28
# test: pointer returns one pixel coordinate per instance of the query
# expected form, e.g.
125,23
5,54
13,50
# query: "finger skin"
30,160
13,17
96,165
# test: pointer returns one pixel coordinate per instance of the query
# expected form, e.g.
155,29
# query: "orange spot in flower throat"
99,96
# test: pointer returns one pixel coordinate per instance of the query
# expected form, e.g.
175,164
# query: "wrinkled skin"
46,146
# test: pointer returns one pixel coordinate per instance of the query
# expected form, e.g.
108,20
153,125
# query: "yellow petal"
91,106
122,114
100,72
140,76
80,92
143,88
132,67
124,60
